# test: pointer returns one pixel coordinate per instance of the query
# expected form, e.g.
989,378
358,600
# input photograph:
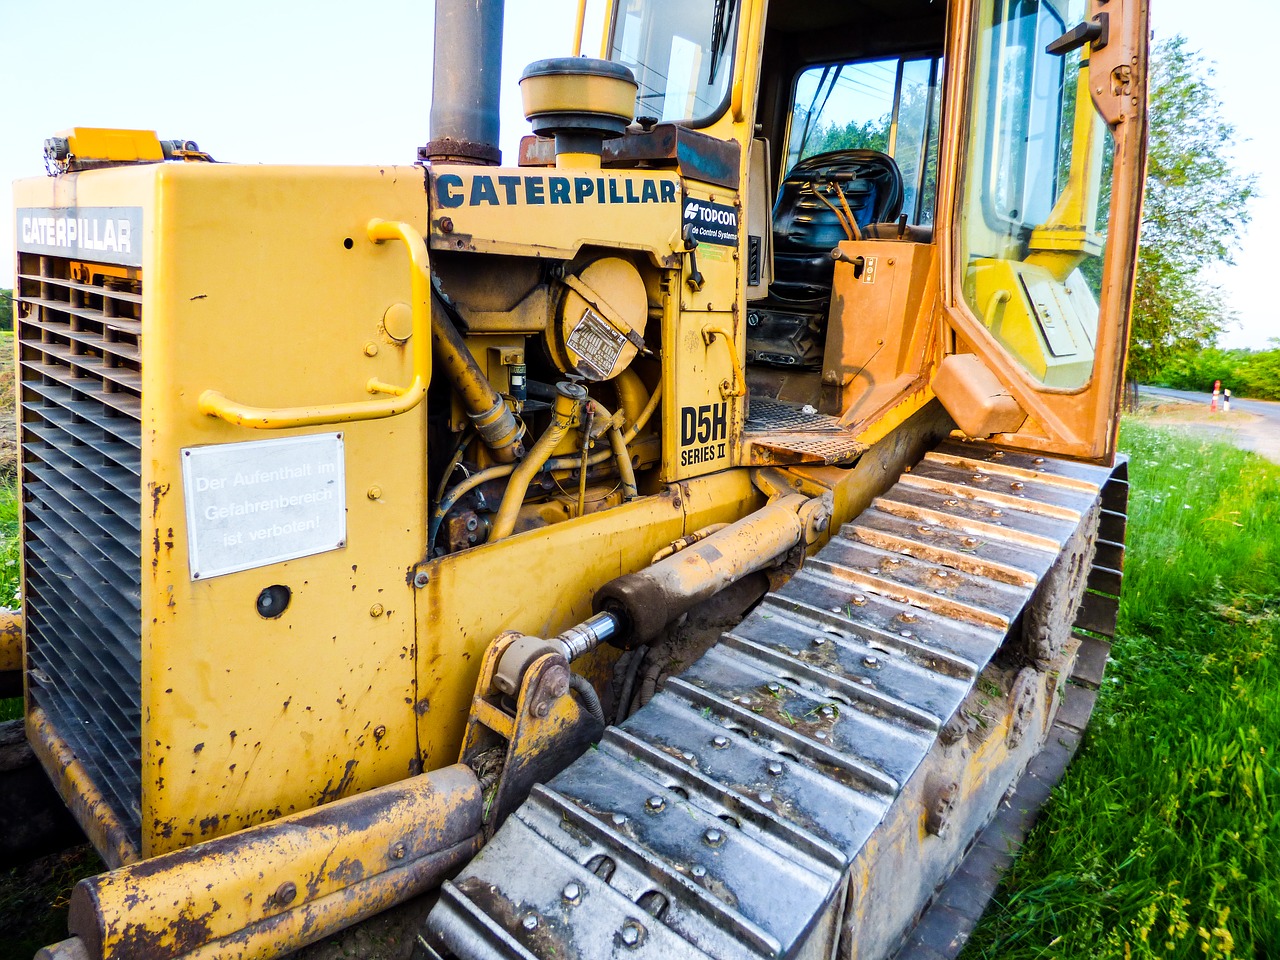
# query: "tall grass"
1164,838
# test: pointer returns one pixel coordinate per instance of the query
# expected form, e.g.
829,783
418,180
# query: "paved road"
1259,430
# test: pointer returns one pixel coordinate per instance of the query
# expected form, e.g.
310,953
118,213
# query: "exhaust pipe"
465,83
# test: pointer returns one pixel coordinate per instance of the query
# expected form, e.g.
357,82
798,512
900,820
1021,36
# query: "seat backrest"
805,229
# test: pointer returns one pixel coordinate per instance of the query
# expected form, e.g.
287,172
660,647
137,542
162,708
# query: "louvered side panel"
79,331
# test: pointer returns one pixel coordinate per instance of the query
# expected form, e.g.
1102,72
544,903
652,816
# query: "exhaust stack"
465,83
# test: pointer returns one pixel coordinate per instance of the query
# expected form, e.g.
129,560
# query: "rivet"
374,493
713,837
370,349
719,741
655,804
766,797
869,661
819,641
631,933
699,870
376,610
572,892
530,922
774,768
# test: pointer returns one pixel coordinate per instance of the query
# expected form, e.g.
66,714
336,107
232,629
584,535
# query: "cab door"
1038,218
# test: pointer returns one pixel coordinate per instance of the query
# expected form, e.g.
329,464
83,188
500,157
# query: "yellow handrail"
745,35
728,388
399,400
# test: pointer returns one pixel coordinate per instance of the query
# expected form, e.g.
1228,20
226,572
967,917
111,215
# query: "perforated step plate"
722,819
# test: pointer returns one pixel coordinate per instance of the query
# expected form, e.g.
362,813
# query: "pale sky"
330,81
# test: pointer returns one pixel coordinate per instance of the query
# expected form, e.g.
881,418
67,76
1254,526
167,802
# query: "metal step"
723,818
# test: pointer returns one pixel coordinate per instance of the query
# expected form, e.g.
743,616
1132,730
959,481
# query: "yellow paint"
99,143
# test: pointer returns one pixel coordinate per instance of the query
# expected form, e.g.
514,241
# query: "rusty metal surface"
697,156
725,818
284,884
777,432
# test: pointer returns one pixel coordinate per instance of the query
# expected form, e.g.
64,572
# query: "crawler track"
816,775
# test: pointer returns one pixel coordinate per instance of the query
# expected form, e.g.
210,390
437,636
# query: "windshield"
887,105
681,52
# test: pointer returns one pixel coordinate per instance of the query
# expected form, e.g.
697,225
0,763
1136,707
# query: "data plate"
257,503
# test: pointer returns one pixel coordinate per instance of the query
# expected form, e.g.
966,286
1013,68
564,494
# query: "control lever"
859,263
694,279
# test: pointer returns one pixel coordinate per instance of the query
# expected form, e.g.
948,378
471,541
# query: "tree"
6,309
1196,209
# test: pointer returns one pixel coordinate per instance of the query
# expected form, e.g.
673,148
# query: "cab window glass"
890,105
1035,191
681,54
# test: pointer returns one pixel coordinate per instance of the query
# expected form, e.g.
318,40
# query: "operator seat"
788,327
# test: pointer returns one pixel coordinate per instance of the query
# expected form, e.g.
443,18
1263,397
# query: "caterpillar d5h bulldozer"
676,543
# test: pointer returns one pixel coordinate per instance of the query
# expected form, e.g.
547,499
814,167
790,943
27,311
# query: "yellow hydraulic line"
727,389
569,397
561,463
623,456
399,400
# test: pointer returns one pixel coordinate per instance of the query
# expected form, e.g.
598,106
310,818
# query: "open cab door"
1039,218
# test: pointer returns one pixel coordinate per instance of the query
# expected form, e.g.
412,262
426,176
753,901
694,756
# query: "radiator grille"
79,329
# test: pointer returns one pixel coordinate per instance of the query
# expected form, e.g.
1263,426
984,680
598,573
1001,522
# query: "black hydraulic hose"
587,694
629,683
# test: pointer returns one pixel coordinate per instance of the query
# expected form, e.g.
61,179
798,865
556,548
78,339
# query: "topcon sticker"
711,222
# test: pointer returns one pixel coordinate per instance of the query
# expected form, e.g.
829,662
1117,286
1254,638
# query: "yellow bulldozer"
697,538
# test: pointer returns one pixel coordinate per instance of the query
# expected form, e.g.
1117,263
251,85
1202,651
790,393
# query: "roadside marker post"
1226,401
1217,391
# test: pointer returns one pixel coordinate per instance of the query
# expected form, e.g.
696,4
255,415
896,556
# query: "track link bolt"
872,662
821,734
720,742
858,600
530,922
572,893
632,934
687,757
819,641
766,797
655,804
618,819
1016,485
713,837
774,768
699,870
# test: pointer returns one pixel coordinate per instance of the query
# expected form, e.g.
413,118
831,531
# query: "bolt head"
618,819
631,933
819,641
872,662
530,922
655,804
687,757
719,741
766,797
572,892
773,687
421,579
377,610
699,870
827,712
774,768
713,837
374,493
821,734
398,851
859,600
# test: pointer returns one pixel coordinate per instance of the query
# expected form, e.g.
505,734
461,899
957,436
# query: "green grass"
1164,838
9,585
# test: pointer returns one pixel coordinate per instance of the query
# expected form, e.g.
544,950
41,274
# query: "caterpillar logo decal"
704,431
546,189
